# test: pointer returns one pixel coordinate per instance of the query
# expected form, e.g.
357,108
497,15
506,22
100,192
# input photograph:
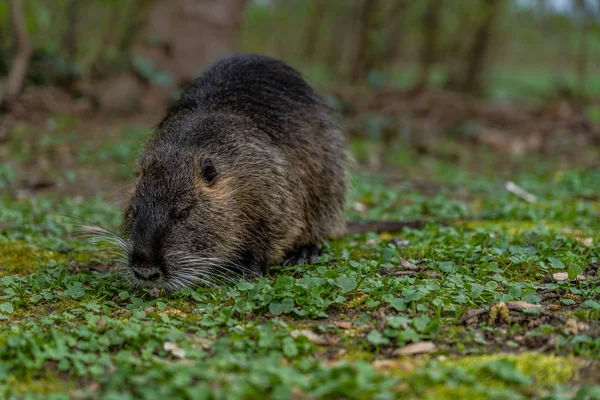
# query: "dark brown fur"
280,186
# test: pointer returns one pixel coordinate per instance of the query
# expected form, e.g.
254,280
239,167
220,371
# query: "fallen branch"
519,192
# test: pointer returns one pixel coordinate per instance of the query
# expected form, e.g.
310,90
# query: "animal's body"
245,171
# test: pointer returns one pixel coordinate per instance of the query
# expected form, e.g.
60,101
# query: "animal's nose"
139,257
147,274
144,265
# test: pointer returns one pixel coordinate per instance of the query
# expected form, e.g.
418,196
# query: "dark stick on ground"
360,227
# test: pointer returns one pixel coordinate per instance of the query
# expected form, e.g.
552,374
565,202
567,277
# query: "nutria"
246,170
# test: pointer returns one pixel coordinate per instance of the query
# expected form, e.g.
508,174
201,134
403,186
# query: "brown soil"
556,127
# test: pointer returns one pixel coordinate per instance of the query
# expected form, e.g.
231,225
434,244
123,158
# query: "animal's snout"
147,273
145,265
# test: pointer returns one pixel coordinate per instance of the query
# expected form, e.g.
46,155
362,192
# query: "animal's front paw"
307,254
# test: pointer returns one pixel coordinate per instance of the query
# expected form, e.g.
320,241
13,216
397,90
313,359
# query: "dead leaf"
359,207
431,274
174,349
564,276
533,323
572,296
204,342
407,265
385,364
173,311
405,365
472,313
575,326
93,387
559,110
343,324
400,243
521,305
359,330
310,335
560,276
404,273
422,347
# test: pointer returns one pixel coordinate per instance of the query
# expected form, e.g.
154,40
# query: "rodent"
246,170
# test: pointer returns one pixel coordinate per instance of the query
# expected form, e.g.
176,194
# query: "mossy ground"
70,328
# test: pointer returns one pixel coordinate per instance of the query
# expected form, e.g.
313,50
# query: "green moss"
35,311
358,355
518,227
21,259
38,385
461,392
487,376
543,368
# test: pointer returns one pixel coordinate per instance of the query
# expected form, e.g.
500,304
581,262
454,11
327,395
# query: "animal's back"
269,92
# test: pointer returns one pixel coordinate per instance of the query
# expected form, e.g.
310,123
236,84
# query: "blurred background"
487,84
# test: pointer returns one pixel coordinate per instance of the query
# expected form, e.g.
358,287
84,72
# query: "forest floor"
501,301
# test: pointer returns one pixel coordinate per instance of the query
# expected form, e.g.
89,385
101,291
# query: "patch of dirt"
35,111
590,373
557,127
519,330
592,270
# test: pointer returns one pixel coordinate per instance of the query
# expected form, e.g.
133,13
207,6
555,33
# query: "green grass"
330,330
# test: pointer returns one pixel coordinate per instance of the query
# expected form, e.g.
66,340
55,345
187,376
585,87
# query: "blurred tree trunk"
455,51
430,28
135,19
177,40
393,31
4,35
18,70
189,34
546,37
100,65
583,19
476,58
69,40
340,31
313,29
272,40
363,60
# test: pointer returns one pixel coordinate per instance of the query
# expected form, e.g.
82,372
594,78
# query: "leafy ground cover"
501,300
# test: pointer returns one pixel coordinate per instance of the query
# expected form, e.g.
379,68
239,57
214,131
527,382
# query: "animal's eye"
182,214
209,172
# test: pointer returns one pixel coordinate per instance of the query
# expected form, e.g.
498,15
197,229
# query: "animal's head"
176,222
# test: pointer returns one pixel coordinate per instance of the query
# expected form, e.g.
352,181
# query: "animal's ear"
208,171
